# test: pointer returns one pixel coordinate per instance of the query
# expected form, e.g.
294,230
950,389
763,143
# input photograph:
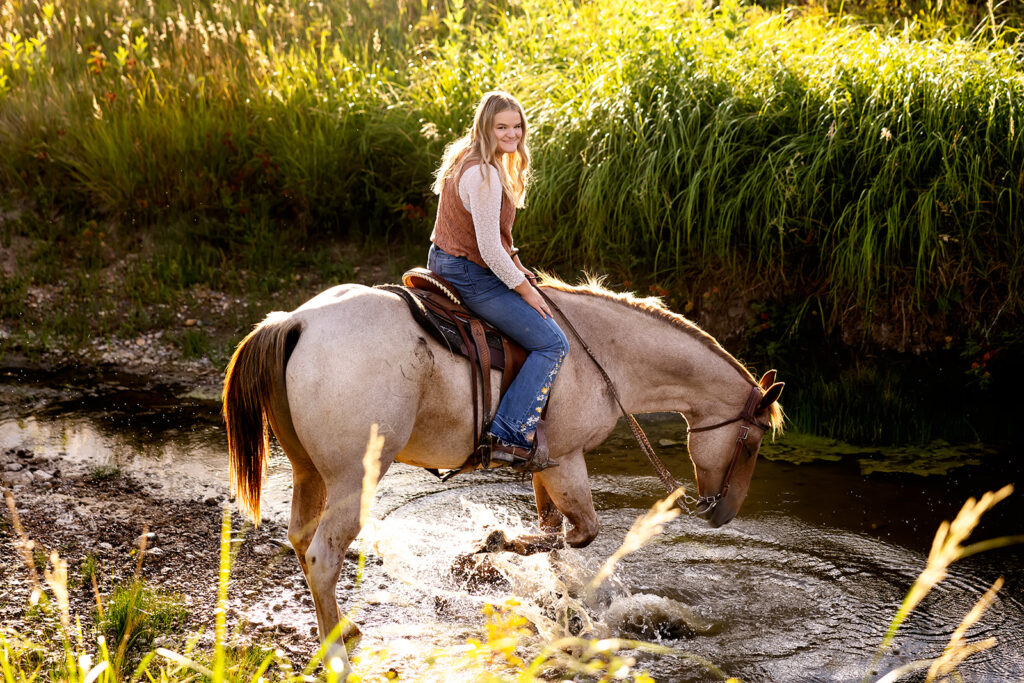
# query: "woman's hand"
532,296
525,271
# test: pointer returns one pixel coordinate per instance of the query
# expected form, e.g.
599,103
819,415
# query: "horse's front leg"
527,544
549,539
549,516
568,488
562,490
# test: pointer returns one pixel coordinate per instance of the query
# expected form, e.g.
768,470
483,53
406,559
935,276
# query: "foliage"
860,156
105,473
90,570
874,162
957,388
194,343
136,613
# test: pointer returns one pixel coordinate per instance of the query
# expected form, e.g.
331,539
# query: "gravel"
81,516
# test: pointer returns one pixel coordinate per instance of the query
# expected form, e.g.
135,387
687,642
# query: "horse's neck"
656,365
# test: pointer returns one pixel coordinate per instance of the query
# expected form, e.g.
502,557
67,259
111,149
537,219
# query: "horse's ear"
767,380
771,395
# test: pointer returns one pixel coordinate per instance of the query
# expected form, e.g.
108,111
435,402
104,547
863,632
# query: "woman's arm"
525,271
532,296
482,196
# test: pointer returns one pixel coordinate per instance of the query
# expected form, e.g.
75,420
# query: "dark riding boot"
525,460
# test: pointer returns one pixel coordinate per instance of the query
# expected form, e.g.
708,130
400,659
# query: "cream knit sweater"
481,194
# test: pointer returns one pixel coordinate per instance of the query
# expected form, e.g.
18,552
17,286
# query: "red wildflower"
97,61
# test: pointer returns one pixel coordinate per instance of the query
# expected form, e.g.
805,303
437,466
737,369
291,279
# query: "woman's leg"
520,409
515,421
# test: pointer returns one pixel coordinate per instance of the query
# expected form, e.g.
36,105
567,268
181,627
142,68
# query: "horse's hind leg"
308,496
338,527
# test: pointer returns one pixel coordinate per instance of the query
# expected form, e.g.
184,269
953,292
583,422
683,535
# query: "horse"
352,357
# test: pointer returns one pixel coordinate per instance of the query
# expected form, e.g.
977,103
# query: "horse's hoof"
536,543
495,542
351,635
476,571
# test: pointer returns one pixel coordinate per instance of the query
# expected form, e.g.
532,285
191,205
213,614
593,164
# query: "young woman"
481,182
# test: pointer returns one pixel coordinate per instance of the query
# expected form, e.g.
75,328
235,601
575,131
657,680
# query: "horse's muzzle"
719,515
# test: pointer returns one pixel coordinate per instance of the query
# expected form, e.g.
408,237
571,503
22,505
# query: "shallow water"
800,586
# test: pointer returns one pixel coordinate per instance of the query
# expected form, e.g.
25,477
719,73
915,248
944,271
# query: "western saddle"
436,306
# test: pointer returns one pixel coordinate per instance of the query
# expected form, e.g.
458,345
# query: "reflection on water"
800,586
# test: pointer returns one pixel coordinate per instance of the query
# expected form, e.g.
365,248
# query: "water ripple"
765,598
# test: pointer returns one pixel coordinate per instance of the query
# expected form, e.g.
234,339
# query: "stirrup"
522,460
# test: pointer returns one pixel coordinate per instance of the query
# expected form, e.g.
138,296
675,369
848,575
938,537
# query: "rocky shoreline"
85,513
96,516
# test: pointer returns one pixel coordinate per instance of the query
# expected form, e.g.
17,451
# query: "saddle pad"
446,331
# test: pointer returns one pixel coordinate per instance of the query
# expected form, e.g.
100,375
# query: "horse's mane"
656,308
652,306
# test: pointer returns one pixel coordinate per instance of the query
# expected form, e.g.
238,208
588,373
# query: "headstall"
748,420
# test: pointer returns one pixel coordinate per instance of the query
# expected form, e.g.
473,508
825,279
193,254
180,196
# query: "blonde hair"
480,145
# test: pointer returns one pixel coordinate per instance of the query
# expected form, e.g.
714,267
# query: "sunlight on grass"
878,159
646,527
948,548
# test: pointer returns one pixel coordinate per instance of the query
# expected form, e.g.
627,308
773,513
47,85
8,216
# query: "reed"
645,528
948,547
873,161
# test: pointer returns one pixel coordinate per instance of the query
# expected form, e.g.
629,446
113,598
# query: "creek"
800,586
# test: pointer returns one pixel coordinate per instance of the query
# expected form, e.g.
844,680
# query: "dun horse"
353,356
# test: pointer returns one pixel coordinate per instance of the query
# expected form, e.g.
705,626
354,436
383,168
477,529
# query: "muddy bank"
103,514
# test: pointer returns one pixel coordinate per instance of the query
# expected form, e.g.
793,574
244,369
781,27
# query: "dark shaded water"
801,586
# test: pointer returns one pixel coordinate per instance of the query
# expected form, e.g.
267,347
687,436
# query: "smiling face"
499,137
508,131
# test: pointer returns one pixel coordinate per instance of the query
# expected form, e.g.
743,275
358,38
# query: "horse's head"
724,453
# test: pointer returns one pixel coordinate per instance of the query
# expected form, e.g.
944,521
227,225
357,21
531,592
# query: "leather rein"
704,504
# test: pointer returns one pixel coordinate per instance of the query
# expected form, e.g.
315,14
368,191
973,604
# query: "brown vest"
453,229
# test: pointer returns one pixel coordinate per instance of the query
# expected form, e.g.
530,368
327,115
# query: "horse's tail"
254,400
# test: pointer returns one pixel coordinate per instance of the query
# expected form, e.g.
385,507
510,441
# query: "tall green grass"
135,614
866,160
875,163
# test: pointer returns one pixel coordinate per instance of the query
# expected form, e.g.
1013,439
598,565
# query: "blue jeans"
483,293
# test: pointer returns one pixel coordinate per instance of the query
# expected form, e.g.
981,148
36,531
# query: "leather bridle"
747,419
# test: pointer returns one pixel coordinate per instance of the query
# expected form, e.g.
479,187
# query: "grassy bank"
785,148
854,170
